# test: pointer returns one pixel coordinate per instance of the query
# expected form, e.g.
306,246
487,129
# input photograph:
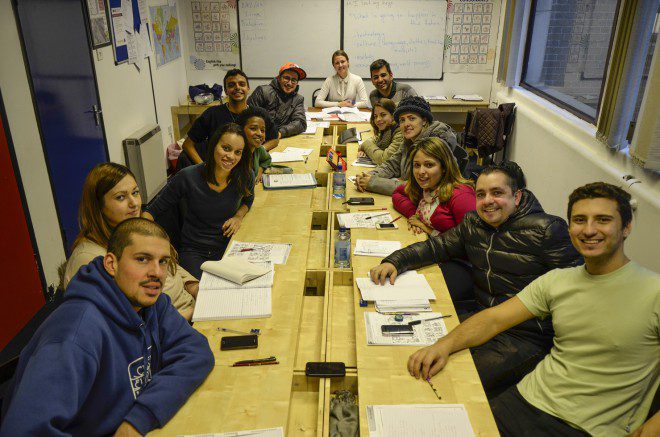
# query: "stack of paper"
365,161
285,181
425,333
320,116
440,420
313,125
220,299
435,98
290,154
409,285
363,219
339,110
260,252
377,248
403,306
469,97
269,432
355,117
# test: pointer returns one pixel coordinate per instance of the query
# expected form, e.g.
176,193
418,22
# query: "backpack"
487,130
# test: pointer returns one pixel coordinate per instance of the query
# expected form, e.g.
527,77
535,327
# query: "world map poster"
165,32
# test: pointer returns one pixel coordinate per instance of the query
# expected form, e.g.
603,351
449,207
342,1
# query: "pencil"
373,209
396,219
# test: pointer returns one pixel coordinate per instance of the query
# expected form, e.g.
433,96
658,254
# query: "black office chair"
314,94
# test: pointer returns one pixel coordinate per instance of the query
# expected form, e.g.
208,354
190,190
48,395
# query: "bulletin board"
119,46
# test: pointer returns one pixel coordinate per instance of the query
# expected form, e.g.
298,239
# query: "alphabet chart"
471,38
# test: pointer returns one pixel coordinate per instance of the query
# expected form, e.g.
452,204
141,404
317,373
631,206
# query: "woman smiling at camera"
218,193
255,122
416,123
110,196
343,88
388,136
436,196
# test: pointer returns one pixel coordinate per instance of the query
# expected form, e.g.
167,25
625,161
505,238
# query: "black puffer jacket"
286,110
527,245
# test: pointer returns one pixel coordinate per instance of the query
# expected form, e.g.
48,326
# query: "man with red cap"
281,99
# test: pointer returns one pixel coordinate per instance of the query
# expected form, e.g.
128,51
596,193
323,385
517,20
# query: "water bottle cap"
342,229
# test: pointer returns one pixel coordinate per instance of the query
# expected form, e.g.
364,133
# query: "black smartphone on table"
239,342
391,330
325,369
360,201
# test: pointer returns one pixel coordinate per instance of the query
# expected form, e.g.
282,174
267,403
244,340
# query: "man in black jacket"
509,241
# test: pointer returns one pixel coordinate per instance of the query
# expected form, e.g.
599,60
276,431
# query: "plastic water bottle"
339,183
343,249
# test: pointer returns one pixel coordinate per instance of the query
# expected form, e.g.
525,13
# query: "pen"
247,249
258,360
377,215
373,209
239,332
258,363
396,219
417,322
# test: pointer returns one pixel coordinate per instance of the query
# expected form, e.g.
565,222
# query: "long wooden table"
317,317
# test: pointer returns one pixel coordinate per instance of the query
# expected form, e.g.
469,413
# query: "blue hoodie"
82,373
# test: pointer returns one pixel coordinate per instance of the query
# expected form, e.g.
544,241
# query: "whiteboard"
273,32
409,34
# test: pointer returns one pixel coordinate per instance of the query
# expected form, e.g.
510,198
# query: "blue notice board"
119,43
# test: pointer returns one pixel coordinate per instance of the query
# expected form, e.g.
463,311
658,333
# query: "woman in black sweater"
217,194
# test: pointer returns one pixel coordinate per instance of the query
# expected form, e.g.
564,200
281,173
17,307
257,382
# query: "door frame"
28,74
26,210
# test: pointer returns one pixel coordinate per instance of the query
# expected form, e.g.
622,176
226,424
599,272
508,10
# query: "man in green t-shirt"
603,370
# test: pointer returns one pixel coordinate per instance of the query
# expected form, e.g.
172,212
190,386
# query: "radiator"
145,157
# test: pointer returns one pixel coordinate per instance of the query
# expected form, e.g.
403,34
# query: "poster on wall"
213,41
165,33
99,23
471,35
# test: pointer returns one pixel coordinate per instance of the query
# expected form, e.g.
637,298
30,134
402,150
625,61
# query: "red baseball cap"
295,67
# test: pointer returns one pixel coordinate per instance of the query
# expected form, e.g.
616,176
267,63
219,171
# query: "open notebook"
220,299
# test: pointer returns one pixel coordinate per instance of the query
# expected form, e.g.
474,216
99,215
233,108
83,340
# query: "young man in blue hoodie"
115,357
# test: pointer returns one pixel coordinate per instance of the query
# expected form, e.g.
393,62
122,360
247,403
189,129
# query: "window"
567,52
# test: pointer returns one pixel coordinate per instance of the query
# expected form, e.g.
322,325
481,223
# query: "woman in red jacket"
436,196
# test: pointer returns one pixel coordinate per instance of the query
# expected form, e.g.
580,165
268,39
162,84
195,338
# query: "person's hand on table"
650,428
231,226
416,226
127,430
361,181
361,154
428,361
380,273
345,103
192,287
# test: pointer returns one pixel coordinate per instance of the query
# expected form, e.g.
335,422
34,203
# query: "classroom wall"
559,153
27,145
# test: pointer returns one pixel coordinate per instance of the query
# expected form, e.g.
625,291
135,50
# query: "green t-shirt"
261,158
602,371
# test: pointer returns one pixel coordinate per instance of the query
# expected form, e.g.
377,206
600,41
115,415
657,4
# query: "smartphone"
325,369
360,201
390,330
386,226
239,342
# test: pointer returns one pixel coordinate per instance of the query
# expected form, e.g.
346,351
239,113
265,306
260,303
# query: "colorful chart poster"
165,33
213,41
471,35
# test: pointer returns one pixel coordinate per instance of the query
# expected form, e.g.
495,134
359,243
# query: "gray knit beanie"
414,104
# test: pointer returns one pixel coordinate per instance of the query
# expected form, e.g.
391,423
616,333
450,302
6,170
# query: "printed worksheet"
425,333
260,252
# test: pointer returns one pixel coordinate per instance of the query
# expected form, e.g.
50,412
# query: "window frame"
527,33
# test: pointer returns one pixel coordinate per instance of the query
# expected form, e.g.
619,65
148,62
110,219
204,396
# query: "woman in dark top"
217,193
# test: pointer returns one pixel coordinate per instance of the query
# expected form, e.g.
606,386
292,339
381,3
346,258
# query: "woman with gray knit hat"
416,122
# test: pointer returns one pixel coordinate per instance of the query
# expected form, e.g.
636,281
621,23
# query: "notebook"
288,181
236,269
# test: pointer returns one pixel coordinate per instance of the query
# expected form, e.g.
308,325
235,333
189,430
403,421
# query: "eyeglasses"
290,79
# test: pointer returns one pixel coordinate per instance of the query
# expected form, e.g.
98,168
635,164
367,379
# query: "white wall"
559,153
27,145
